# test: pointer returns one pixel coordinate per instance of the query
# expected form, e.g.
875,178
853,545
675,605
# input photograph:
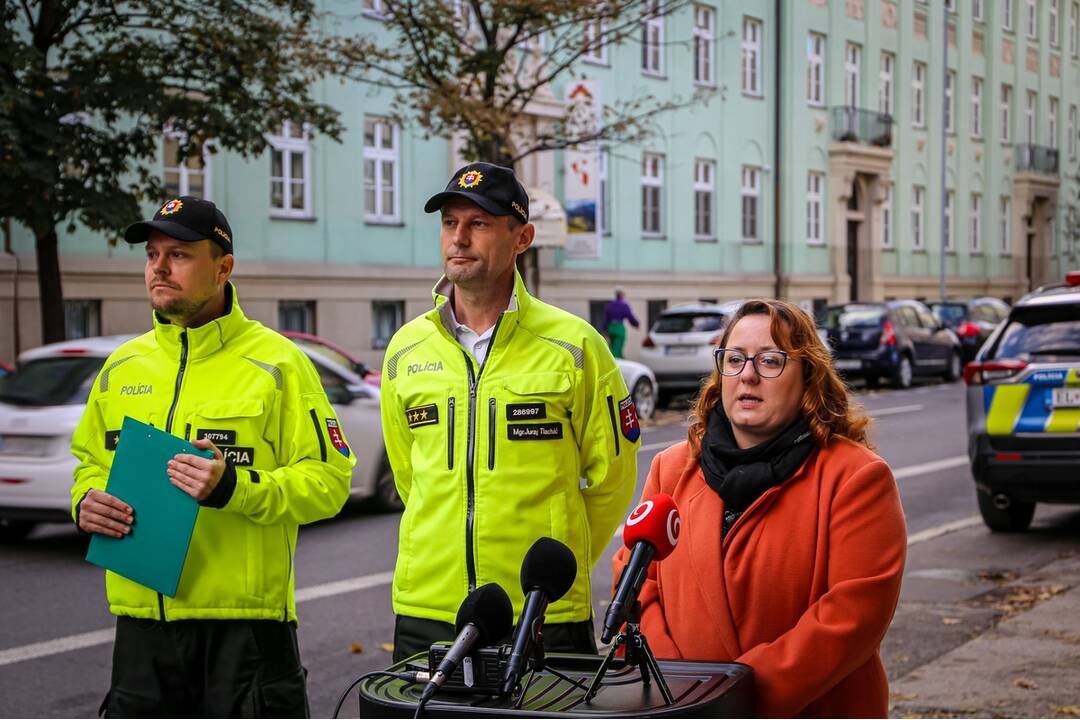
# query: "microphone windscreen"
550,566
488,608
655,521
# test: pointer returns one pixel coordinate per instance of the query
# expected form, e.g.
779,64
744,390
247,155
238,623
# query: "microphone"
547,572
651,532
485,616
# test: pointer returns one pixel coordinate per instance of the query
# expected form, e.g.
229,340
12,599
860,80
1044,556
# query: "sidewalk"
1027,665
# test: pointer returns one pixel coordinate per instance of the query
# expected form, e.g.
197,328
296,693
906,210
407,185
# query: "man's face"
479,248
182,277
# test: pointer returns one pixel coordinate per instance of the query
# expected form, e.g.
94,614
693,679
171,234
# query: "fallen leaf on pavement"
356,648
388,647
1025,683
1065,710
950,621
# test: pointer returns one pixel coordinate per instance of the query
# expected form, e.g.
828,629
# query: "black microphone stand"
638,653
537,661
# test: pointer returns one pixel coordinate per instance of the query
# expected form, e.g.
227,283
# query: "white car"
642,383
679,346
42,402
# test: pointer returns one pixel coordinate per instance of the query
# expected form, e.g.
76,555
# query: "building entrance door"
853,258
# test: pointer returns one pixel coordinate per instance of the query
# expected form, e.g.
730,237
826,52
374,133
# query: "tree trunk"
52,296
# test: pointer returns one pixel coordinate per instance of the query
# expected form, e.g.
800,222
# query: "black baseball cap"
186,218
493,187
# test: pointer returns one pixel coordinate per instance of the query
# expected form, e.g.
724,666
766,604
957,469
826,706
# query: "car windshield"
62,380
949,314
1043,335
327,352
853,316
689,322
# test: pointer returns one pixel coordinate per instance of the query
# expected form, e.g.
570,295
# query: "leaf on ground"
356,648
1021,682
388,647
950,621
1066,710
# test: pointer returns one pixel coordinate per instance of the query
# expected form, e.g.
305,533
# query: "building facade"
812,170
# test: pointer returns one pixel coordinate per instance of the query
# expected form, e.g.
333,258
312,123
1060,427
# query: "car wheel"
386,498
12,531
902,373
955,368
644,399
1014,518
663,398
872,381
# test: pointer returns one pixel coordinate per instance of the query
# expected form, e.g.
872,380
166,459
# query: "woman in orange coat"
793,538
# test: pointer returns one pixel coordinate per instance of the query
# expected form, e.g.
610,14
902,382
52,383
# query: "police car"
42,402
1023,408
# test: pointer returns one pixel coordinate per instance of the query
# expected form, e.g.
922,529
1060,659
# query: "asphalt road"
55,644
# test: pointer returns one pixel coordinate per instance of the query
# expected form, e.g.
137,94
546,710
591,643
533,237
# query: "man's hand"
197,476
100,512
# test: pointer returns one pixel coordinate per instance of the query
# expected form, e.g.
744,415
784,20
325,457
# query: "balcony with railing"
868,127
1036,159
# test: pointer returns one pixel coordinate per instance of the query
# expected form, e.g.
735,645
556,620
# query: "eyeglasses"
767,364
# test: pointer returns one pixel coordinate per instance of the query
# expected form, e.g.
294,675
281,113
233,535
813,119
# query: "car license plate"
25,445
848,364
681,349
1066,398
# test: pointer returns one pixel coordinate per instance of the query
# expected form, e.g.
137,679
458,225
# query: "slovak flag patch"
338,440
628,419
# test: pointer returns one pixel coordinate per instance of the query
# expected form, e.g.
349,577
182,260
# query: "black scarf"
740,476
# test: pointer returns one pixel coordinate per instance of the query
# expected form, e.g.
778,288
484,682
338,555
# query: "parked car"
42,402
5,369
336,353
898,340
642,383
679,346
971,320
1023,408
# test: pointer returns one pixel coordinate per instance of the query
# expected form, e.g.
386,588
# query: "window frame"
1008,18
852,74
1005,106
887,240
705,45
815,208
1074,29
815,69
599,55
652,195
949,213
1053,26
976,107
309,310
918,215
705,185
183,171
652,39
977,10
975,225
1031,20
378,155
1072,130
1052,108
397,308
750,193
286,144
886,71
950,102
1031,117
751,56
918,94
1005,225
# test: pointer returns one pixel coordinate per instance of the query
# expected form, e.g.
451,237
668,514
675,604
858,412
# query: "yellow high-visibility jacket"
541,440
257,397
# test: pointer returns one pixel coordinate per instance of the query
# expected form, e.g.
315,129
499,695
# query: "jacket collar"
509,321
204,340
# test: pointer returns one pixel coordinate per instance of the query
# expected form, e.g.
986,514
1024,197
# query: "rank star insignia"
470,179
422,415
173,206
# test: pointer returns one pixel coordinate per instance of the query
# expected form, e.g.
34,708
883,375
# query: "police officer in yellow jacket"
225,645
505,419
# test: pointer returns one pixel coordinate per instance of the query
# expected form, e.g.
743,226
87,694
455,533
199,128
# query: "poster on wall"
581,181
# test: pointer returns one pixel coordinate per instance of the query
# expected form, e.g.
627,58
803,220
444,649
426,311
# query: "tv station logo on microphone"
672,523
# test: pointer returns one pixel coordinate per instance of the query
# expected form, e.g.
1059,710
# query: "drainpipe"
14,285
945,146
777,269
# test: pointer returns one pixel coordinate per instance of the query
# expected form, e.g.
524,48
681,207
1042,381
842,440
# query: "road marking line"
930,467
944,529
899,409
340,587
657,445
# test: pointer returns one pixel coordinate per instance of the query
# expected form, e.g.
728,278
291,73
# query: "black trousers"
413,635
206,668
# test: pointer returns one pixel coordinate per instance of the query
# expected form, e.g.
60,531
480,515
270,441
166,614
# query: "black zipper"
168,424
288,577
470,475
491,434
450,433
187,431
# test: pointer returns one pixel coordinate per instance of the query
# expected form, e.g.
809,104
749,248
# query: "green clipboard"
153,553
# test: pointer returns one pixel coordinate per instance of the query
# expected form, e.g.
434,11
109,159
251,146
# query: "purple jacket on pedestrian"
619,310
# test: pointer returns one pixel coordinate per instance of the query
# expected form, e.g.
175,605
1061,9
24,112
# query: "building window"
751,194
1007,14
751,56
975,224
704,44
1074,29
885,84
290,171
918,95
387,317
950,5
382,171
1052,122
652,185
1006,112
815,69
950,101
297,315
977,10
1072,132
188,177
603,215
815,186
1029,116
947,226
373,8
886,218
652,39
704,188
852,65
1005,219
976,106
82,319
1032,19
595,45
653,308
1052,25
917,237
